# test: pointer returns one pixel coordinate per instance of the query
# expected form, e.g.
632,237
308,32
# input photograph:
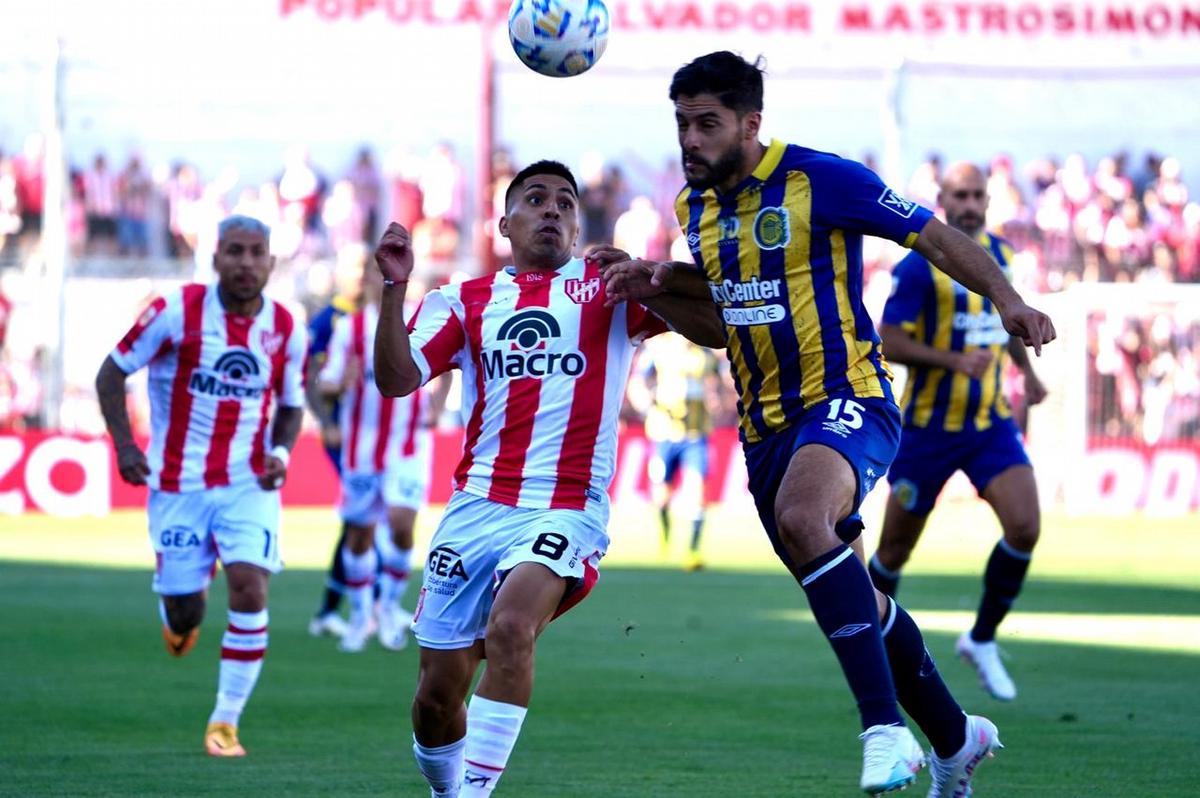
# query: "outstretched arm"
958,256
901,347
396,374
110,388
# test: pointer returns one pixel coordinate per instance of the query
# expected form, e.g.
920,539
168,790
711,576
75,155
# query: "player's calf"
181,617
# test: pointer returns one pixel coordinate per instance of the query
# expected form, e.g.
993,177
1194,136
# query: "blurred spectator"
503,171
183,192
100,196
343,217
925,183
368,194
443,187
28,168
597,201
404,189
639,230
299,184
134,194
10,209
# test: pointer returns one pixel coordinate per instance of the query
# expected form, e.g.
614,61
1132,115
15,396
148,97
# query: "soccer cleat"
220,739
356,637
985,657
180,644
952,777
693,562
394,623
892,757
328,624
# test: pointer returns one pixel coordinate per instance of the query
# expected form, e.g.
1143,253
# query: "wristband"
387,283
281,453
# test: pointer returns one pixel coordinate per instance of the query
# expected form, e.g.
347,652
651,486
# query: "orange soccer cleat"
220,739
180,644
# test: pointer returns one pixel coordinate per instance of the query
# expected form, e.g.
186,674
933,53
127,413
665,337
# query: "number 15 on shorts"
846,412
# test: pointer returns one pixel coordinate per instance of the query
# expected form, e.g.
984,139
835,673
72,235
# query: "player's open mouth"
549,230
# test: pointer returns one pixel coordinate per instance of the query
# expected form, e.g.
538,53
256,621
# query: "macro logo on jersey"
897,204
235,375
582,292
528,333
772,228
444,571
744,304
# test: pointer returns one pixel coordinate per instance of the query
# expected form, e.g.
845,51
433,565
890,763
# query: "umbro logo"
476,779
850,630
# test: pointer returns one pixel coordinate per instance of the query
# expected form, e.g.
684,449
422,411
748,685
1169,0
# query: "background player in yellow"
677,389
776,233
956,417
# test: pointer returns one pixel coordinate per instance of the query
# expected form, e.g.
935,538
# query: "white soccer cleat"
330,624
892,757
356,637
394,623
985,658
952,777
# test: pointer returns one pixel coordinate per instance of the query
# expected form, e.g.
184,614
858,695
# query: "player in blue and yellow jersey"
348,285
676,386
776,235
956,418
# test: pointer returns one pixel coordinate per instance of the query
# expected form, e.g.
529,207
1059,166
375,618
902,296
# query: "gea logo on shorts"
528,333
178,537
233,376
447,563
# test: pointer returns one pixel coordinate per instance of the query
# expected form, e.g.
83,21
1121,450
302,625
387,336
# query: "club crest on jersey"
235,375
897,204
582,292
271,342
772,228
528,334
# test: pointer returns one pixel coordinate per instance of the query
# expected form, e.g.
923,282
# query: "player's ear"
503,225
752,123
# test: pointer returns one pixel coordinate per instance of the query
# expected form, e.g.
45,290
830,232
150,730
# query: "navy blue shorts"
671,456
929,457
864,431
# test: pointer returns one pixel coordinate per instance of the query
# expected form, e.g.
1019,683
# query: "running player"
956,417
544,363
676,388
776,231
385,461
219,358
348,271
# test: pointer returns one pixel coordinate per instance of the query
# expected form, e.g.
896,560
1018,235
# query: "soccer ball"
558,38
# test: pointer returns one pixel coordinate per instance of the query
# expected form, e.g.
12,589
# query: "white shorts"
367,496
479,541
191,531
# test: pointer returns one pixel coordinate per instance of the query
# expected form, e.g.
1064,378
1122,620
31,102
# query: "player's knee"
434,706
359,539
1022,533
184,613
510,640
802,527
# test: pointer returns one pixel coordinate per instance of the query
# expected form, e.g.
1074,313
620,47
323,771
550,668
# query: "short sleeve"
149,337
291,387
641,323
436,336
849,196
911,282
336,351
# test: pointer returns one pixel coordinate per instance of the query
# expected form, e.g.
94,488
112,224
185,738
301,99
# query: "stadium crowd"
1069,221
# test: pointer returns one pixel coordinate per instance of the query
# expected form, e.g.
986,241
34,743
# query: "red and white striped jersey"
376,429
544,366
212,379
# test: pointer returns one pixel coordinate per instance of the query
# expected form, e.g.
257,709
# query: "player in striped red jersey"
544,364
385,460
219,358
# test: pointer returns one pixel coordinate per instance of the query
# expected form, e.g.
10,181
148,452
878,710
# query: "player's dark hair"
736,82
540,168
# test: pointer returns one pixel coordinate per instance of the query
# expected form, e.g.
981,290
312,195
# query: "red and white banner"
1119,478
72,476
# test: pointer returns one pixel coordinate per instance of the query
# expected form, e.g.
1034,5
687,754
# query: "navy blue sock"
886,581
664,518
919,685
697,528
843,602
1001,584
335,584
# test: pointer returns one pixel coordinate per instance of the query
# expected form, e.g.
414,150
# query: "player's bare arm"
395,372
689,311
1035,391
958,256
321,406
284,431
899,346
110,388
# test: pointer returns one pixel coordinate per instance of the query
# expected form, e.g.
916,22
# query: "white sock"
242,651
360,583
394,579
492,729
442,767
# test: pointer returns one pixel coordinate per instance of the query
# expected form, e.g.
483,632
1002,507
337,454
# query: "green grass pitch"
661,684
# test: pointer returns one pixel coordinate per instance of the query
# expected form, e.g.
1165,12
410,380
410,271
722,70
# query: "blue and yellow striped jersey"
783,255
681,372
941,313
